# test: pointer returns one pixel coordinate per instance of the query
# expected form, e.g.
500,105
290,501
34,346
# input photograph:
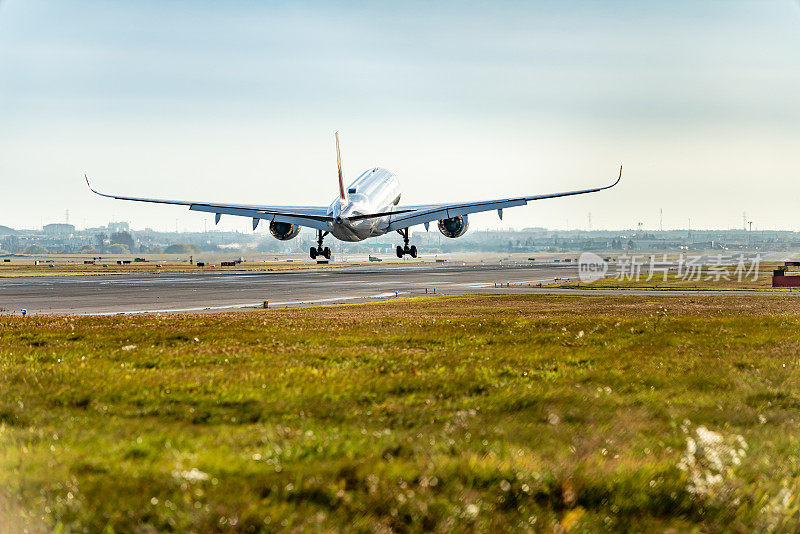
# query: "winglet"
90,185
618,179
339,164
95,191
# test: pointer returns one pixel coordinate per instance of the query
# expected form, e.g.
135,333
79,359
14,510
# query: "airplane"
368,207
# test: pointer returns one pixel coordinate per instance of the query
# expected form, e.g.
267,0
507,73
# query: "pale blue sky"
464,101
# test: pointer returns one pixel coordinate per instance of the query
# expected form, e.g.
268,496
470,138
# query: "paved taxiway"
229,290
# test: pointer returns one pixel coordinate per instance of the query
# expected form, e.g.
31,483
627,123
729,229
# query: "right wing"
405,216
311,216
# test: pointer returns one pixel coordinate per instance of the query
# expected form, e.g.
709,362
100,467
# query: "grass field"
705,281
538,413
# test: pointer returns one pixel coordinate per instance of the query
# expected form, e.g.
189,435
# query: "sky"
239,101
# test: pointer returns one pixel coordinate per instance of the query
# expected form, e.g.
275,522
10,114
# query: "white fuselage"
375,191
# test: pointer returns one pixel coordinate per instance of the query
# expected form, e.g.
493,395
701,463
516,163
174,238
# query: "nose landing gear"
405,249
319,250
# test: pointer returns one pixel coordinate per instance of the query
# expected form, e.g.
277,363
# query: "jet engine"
283,231
454,227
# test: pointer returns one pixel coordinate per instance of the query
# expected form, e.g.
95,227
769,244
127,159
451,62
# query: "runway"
202,291
219,291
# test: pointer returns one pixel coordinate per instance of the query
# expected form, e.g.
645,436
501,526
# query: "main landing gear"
319,251
405,249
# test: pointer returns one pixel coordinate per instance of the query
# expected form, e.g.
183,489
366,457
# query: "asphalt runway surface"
219,291
189,292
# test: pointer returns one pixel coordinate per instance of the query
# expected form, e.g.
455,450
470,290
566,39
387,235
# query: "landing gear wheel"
319,251
405,249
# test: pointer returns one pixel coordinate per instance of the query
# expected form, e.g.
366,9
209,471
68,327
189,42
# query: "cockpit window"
351,191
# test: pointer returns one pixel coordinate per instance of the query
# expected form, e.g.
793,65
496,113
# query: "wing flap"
310,221
449,211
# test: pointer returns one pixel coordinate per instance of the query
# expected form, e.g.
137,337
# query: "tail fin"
339,164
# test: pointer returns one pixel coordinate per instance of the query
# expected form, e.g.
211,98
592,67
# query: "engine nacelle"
283,231
454,227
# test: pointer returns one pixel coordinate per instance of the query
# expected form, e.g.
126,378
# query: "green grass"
705,282
486,413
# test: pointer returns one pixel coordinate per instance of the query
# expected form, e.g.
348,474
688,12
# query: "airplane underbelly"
360,230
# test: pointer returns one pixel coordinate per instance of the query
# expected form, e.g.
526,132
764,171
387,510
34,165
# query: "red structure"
786,281
781,279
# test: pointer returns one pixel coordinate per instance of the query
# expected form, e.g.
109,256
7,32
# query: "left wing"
405,216
311,216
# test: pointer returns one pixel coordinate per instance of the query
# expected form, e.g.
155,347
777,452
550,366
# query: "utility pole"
661,219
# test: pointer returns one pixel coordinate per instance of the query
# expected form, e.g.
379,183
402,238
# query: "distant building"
118,227
58,229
